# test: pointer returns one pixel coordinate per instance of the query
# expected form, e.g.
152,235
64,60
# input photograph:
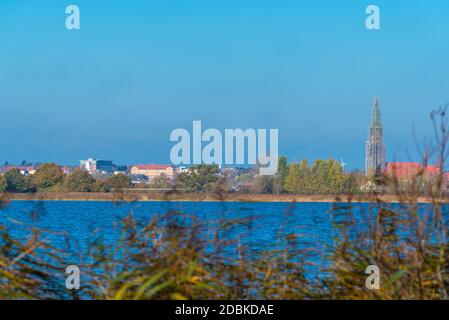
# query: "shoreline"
196,197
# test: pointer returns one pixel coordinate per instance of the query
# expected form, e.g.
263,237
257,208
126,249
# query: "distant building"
68,169
97,166
375,148
139,178
25,170
153,170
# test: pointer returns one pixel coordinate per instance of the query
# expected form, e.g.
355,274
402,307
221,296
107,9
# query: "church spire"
375,113
375,148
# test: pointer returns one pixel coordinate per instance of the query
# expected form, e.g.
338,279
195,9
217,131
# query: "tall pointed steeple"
375,113
375,148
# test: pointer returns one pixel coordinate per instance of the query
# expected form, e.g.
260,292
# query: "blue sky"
139,69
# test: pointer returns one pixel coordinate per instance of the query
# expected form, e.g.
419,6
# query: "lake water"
75,222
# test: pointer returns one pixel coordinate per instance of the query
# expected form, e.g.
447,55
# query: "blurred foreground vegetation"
177,256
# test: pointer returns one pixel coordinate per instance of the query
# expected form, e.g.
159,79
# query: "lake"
72,224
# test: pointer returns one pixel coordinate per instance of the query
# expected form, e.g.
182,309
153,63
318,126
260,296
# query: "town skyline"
375,151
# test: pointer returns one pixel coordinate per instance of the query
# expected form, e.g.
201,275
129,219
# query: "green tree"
293,179
17,182
298,178
80,181
48,175
198,177
328,176
306,179
118,182
3,184
281,175
324,177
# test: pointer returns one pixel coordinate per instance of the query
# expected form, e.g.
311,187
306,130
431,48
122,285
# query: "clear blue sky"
139,69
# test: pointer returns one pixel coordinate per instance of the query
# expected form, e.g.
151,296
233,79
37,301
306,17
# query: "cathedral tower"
375,148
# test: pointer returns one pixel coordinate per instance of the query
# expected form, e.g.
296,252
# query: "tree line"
320,177
50,177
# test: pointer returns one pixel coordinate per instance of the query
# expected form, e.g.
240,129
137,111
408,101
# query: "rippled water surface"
72,224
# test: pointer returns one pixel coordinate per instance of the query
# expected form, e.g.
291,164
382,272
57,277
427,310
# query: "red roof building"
153,170
151,166
406,170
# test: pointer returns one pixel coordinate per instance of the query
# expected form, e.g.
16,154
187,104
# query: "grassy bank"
200,197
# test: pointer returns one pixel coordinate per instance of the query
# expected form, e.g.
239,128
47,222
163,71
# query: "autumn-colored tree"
118,182
17,182
80,181
3,184
48,175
